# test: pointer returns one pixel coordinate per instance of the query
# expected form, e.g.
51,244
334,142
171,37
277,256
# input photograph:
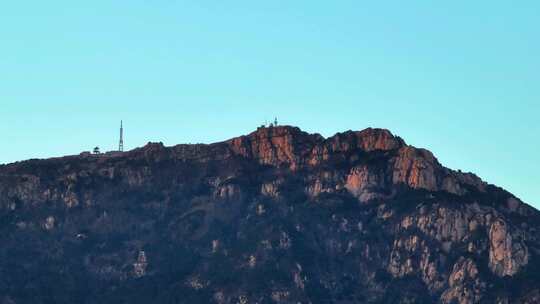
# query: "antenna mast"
121,143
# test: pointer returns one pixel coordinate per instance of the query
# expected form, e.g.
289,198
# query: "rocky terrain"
277,216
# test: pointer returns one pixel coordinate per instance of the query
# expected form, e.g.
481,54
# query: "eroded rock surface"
506,253
275,216
465,285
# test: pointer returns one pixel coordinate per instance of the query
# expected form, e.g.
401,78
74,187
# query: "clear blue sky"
461,79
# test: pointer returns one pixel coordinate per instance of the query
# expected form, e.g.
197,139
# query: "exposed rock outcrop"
506,253
276,216
464,283
366,184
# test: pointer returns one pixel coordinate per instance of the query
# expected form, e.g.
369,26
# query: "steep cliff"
276,216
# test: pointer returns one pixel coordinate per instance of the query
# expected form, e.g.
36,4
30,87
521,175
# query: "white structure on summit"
121,142
272,123
97,152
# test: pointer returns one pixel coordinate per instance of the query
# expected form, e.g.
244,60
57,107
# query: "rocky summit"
276,216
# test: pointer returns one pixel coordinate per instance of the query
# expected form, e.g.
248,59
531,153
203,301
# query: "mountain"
276,216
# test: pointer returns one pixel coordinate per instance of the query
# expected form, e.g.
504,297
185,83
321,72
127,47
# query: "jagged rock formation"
277,216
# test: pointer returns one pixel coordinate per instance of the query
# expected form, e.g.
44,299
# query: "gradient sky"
461,79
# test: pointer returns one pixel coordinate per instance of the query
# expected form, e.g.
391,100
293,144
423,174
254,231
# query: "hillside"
276,216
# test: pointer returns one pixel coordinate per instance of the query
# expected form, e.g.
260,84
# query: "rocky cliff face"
277,216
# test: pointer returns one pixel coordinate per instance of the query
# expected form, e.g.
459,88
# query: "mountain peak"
275,216
289,145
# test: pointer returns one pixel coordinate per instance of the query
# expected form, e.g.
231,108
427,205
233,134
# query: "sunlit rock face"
464,284
365,183
275,216
277,146
507,253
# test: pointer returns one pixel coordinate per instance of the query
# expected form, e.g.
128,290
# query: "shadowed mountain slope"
276,216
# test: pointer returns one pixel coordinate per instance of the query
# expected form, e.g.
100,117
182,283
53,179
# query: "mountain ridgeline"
276,216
